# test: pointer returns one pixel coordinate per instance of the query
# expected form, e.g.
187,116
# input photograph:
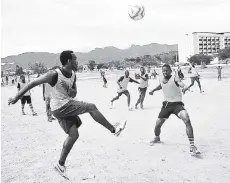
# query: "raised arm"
46,78
155,89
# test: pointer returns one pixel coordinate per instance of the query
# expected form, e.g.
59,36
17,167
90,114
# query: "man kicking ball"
172,104
122,88
64,107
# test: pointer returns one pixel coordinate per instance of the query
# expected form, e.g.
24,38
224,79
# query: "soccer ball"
136,12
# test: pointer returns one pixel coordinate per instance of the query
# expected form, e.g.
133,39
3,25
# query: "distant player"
154,74
180,73
194,77
219,69
122,83
64,107
142,87
104,79
26,97
172,104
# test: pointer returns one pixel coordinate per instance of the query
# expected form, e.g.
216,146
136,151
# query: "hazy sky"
82,25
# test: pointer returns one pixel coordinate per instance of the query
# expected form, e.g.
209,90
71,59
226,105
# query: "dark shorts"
142,91
195,78
169,108
125,92
105,81
67,115
26,99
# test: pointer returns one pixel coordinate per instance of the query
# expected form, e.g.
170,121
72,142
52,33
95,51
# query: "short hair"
65,56
167,65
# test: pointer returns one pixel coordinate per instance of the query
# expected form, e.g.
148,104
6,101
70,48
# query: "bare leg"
189,130
68,144
198,82
98,117
128,98
159,123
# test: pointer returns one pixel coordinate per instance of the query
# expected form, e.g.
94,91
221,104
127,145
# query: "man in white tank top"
194,76
142,87
64,107
122,83
172,104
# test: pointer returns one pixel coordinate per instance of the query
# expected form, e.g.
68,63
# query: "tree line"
146,60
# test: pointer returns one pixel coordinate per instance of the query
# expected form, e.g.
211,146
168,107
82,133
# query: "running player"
64,108
26,97
219,69
142,87
104,79
194,77
172,104
122,83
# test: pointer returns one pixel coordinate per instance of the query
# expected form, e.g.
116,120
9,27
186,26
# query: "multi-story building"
210,42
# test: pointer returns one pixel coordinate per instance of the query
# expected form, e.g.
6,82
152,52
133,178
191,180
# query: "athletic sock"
191,141
31,107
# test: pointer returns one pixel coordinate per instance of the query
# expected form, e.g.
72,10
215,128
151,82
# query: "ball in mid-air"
136,12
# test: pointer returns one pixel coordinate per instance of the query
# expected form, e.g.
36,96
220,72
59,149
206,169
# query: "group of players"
60,90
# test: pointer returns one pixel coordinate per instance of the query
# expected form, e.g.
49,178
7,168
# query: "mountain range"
99,55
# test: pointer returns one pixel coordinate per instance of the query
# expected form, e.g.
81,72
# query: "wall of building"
210,42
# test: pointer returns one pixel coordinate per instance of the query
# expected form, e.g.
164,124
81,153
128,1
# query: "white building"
210,42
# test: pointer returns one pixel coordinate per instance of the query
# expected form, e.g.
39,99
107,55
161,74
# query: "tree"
38,67
200,59
100,66
224,53
19,70
91,64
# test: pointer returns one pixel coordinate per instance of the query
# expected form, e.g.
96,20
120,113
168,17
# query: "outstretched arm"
133,81
156,89
46,78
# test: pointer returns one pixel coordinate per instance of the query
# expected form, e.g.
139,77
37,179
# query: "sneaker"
194,150
130,108
61,170
34,114
50,119
119,128
155,140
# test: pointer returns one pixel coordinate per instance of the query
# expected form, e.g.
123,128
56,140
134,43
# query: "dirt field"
31,145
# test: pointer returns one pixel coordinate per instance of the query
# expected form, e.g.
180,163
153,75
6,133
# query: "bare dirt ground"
31,145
